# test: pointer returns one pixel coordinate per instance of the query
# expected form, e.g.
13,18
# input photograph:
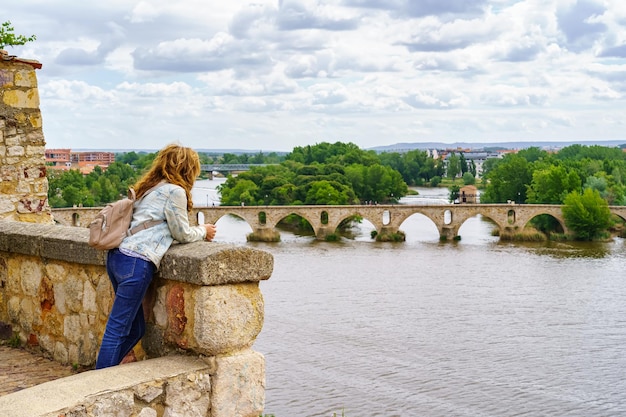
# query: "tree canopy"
339,173
8,38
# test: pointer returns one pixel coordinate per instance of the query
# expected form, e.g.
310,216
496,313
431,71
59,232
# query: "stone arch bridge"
385,218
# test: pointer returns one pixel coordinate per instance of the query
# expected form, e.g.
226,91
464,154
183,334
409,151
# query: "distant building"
468,195
59,158
85,162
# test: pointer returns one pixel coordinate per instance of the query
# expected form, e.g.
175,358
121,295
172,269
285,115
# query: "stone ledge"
200,263
204,263
49,241
49,398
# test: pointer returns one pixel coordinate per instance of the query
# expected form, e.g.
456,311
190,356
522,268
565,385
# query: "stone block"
31,275
227,318
204,263
22,99
118,404
238,387
25,78
188,396
6,78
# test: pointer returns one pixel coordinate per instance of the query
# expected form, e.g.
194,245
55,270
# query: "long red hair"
174,164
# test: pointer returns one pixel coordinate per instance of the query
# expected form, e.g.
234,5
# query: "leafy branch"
8,38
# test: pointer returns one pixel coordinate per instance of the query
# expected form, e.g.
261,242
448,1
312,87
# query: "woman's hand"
210,231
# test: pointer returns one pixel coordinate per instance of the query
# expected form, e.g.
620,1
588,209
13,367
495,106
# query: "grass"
398,236
333,237
14,341
528,234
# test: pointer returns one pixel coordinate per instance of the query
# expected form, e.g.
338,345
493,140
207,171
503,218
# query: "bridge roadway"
385,218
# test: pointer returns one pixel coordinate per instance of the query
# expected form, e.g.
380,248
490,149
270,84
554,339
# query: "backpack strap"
147,224
143,226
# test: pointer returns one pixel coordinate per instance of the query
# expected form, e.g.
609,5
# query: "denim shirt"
169,203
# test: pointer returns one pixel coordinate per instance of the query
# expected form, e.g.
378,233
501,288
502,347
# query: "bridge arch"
426,223
374,219
558,219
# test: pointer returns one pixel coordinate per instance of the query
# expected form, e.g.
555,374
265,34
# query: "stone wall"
205,301
23,183
173,386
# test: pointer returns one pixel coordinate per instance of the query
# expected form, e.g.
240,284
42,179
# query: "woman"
166,192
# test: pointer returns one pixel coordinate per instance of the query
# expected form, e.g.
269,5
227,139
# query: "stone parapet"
175,386
204,301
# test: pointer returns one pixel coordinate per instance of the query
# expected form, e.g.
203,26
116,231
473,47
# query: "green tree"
469,179
463,164
587,215
8,38
244,191
454,166
551,185
327,192
508,180
454,191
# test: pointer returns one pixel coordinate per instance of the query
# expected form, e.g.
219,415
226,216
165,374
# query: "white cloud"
295,72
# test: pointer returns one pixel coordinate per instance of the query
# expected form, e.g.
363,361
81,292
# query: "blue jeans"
126,325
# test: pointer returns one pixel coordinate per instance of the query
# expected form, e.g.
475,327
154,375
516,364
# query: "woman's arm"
178,218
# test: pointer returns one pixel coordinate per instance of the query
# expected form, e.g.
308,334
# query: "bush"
587,215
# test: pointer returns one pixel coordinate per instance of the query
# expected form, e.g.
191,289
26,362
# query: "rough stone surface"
188,396
24,191
204,263
227,318
239,385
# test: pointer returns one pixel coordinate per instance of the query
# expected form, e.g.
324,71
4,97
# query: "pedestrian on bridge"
132,265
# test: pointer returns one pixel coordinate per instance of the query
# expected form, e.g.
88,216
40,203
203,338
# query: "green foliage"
435,181
469,179
454,191
544,178
14,341
322,174
551,185
508,180
8,38
69,188
398,236
333,237
587,215
337,153
454,166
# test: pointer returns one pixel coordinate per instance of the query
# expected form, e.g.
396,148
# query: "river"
423,328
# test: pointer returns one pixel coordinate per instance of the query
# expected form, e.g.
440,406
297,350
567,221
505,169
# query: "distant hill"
401,147
210,151
493,145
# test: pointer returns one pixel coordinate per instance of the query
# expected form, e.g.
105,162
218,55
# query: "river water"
423,328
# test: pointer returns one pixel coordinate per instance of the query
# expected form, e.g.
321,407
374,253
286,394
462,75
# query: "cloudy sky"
274,74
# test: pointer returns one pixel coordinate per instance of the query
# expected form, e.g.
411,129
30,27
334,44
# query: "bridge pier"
322,232
448,233
389,233
264,234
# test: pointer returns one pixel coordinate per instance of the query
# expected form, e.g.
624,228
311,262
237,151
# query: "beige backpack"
112,223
